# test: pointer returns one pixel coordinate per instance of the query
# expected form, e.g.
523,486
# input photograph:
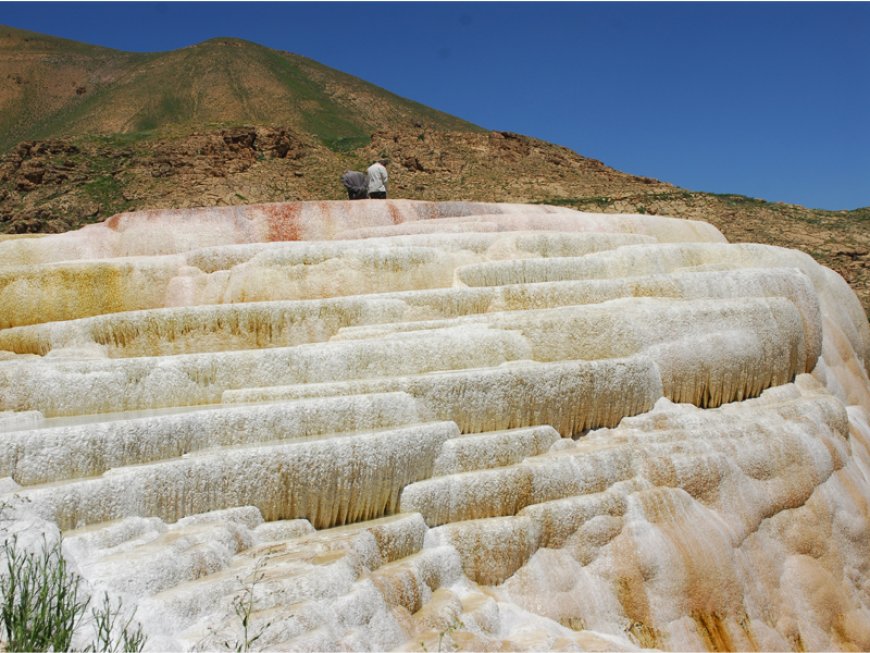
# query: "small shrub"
42,605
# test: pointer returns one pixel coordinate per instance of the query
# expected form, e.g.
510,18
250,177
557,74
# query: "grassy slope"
69,88
42,76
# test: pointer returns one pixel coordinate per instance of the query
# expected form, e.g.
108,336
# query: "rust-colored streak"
713,631
395,214
114,222
283,221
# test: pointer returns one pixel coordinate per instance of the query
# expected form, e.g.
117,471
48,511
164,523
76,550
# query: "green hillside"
61,88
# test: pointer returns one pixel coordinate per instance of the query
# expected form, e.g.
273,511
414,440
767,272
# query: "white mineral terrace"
399,425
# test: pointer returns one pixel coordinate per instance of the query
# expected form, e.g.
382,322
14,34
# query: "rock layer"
397,424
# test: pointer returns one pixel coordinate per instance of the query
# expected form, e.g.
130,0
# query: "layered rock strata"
410,425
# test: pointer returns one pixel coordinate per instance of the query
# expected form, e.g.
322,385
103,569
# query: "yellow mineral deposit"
422,426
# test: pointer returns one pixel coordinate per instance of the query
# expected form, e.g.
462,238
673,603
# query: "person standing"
356,183
377,173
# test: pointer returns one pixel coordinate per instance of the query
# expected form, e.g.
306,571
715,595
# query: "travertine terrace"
411,425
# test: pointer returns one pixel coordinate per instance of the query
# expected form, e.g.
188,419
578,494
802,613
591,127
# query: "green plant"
456,624
732,199
243,606
41,605
112,637
600,201
104,188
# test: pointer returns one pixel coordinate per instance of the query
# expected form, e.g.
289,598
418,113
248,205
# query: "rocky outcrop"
58,185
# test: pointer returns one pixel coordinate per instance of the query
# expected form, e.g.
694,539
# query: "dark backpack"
355,181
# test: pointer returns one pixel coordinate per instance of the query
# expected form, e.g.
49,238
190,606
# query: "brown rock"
413,163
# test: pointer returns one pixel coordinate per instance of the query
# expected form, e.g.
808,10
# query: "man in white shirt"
377,180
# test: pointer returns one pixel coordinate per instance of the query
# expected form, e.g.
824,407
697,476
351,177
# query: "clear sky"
770,100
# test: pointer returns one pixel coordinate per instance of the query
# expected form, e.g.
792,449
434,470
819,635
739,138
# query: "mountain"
87,132
63,88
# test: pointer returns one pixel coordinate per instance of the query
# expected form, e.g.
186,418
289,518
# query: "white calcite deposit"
439,426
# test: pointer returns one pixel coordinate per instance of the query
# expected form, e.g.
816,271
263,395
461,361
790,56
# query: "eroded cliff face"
409,425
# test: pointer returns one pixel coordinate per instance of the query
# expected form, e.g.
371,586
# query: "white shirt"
377,178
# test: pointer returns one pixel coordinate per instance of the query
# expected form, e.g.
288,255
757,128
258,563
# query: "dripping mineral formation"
402,425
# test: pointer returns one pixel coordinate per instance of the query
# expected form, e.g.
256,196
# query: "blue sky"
770,100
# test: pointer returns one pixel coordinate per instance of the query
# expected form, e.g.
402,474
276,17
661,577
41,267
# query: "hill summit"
88,132
60,88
